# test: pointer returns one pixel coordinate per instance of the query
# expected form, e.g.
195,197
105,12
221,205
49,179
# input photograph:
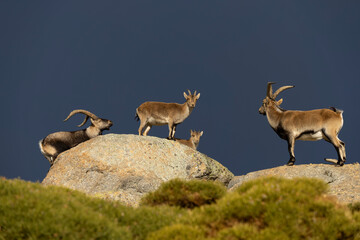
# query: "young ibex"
304,125
159,113
58,142
193,141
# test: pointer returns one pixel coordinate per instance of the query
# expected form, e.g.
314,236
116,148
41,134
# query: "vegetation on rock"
32,211
185,194
268,208
125,167
275,208
355,207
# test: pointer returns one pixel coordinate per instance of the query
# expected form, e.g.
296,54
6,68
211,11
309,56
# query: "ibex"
304,125
160,113
193,141
58,142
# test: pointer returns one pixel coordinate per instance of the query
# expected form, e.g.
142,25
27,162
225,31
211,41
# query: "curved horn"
269,92
195,93
189,92
86,118
87,113
280,90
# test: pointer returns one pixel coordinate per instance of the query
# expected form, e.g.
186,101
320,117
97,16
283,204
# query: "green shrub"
32,211
241,231
280,208
268,208
185,194
143,220
177,232
247,231
355,207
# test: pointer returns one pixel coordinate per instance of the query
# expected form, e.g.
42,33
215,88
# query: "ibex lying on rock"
193,141
304,125
159,113
56,143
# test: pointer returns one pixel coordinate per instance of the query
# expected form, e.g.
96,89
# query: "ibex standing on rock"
304,125
56,143
193,141
160,113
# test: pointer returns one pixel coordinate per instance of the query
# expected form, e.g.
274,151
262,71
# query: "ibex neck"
196,144
93,131
273,115
186,109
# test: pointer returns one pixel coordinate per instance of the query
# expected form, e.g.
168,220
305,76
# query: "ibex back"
160,113
304,125
58,142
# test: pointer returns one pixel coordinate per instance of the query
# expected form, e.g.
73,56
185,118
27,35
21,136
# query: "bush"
248,231
143,220
33,211
355,207
268,208
185,194
275,208
177,232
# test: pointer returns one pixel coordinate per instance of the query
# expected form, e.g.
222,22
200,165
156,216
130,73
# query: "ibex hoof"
291,162
340,163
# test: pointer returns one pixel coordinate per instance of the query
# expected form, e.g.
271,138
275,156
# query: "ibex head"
195,136
100,123
191,99
270,97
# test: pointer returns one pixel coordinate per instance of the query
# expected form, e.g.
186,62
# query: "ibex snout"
262,110
110,123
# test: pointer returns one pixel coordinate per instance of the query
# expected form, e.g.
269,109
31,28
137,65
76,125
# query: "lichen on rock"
125,167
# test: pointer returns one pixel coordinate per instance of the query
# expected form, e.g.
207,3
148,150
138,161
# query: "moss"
177,232
32,211
293,209
144,220
354,207
185,194
268,208
241,231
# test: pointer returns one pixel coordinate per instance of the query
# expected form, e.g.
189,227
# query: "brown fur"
310,125
193,141
58,142
159,113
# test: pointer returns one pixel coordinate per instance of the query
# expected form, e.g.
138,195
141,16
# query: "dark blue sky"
110,56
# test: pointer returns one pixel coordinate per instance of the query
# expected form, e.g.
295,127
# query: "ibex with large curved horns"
56,143
304,125
160,113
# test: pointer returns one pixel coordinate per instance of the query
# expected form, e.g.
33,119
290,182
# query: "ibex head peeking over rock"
193,141
58,142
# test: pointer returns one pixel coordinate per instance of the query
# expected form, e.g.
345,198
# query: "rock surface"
344,182
125,167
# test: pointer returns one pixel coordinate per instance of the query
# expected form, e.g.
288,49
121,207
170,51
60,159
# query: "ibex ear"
279,102
201,133
198,96
185,96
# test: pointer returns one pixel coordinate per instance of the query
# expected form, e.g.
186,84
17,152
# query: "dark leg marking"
291,145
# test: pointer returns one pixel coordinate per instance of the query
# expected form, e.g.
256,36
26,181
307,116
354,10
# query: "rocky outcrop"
125,167
344,182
